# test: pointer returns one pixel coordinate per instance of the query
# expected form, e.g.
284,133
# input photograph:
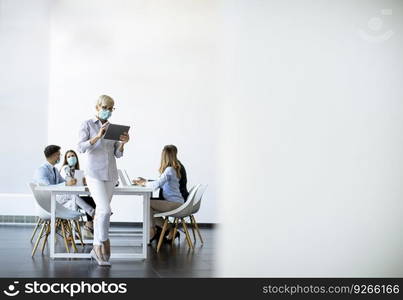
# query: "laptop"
128,177
125,179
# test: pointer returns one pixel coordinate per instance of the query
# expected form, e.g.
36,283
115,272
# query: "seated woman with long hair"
170,174
69,166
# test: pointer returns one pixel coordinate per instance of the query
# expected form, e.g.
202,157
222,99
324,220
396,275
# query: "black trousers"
91,203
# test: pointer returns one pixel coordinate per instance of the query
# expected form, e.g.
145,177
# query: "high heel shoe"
156,235
98,257
106,249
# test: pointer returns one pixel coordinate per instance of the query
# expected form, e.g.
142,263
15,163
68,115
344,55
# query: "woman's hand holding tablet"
117,133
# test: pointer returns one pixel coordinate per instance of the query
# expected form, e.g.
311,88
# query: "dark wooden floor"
176,261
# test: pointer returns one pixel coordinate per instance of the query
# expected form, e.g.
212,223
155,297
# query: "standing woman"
101,172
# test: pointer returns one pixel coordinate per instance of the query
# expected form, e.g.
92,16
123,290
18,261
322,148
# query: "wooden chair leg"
72,236
78,229
187,233
197,228
193,229
46,235
175,230
36,228
57,228
64,235
183,229
38,240
164,228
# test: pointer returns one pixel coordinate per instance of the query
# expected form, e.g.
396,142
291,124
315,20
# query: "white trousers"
101,192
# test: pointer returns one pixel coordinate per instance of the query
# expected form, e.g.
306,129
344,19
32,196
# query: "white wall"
316,116
157,59
24,57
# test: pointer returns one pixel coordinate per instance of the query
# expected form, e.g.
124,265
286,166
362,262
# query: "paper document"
79,175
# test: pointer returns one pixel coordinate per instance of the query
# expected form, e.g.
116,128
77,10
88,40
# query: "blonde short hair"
105,100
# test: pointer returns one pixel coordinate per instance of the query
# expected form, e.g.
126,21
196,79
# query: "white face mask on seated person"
72,161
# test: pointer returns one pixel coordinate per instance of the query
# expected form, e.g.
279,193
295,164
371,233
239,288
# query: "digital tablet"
114,131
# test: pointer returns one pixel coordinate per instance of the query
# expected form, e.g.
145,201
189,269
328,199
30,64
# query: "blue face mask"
57,161
72,161
104,114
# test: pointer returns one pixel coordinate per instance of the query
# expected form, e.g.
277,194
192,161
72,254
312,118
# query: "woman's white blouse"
101,162
67,200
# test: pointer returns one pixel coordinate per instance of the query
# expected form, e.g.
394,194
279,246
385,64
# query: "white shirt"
101,162
169,183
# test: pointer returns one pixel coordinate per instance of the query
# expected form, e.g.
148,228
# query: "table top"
64,188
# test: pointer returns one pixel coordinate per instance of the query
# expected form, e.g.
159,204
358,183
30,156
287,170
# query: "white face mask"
72,161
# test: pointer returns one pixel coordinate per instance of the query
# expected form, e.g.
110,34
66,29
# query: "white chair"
196,208
179,213
63,218
188,198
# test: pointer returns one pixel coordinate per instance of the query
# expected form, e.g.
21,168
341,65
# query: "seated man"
47,174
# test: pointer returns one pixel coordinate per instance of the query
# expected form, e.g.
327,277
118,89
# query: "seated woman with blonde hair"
170,170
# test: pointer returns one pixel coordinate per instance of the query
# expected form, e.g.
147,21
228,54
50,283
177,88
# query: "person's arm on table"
155,184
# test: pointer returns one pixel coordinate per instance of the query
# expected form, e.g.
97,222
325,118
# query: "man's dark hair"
50,150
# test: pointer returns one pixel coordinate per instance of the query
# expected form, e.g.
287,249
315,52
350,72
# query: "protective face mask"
57,161
104,114
72,161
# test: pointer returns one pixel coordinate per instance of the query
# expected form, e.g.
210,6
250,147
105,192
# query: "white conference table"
145,192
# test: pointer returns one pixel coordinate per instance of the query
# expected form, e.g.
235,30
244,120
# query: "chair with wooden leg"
178,214
196,208
71,234
193,231
47,229
43,225
40,236
62,231
183,222
44,234
176,221
63,217
77,229
36,228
